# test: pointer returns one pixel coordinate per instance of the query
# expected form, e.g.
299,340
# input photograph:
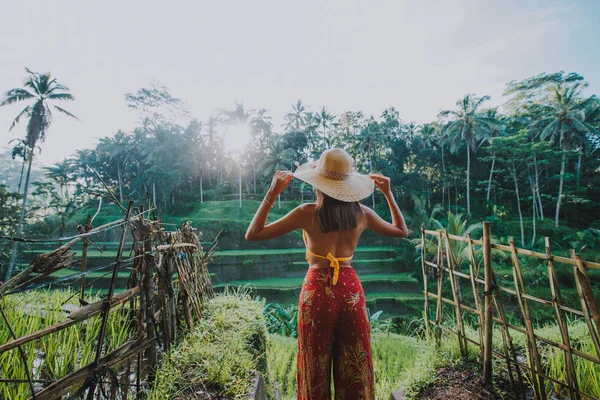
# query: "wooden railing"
156,257
488,306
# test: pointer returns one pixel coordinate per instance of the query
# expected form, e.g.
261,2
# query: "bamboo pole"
40,265
582,286
462,344
68,383
534,356
111,288
77,315
440,281
171,298
549,342
86,228
21,352
425,280
511,291
487,275
562,323
475,287
507,342
524,366
541,256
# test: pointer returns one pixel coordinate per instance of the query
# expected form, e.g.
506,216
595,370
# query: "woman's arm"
292,221
398,226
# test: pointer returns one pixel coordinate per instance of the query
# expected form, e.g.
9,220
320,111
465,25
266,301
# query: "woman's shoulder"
307,207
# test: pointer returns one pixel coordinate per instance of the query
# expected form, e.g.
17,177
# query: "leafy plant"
282,320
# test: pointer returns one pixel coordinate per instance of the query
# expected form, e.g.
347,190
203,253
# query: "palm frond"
15,95
62,110
61,96
25,111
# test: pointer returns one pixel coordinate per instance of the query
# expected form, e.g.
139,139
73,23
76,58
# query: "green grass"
220,353
61,352
393,358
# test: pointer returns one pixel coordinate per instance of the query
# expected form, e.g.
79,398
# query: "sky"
417,56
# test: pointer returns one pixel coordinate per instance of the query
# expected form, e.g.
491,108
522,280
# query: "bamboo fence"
156,255
488,308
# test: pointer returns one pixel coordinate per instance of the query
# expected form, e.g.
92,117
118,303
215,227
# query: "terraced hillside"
389,281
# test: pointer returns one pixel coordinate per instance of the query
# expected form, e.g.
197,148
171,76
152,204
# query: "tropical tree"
61,173
325,121
40,90
118,148
564,122
21,149
556,102
277,158
496,129
466,126
294,120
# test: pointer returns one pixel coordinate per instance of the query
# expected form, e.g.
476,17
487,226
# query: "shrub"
220,353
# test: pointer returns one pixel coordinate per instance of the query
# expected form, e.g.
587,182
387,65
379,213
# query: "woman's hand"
382,182
280,181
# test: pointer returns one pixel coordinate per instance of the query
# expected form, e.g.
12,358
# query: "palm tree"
21,149
295,119
369,142
309,128
40,89
325,120
466,127
118,148
61,173
563,120
277,158
496,129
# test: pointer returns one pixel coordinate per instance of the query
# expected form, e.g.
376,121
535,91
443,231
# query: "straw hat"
334,175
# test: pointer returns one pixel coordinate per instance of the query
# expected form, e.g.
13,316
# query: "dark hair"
336,215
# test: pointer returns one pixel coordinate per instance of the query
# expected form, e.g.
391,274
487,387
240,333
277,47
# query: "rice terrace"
130,262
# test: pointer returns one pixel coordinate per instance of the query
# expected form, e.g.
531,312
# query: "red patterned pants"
333,325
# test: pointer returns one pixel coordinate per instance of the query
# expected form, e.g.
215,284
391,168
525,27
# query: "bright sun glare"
237,137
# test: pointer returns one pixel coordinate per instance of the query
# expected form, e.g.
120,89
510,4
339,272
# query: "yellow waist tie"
334,262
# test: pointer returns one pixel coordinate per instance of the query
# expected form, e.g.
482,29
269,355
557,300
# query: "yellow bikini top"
334,262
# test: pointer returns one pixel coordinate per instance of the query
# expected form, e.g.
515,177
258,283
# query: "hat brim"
354,188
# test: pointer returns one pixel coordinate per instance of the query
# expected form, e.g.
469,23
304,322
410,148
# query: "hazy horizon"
350,55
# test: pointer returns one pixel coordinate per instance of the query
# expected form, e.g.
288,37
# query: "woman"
333,324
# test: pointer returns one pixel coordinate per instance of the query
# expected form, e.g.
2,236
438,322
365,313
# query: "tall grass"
219,354
393,357
60,353
553,359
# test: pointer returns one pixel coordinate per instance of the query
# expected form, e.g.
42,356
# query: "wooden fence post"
489,298
425,281
86,229
562,323
535,361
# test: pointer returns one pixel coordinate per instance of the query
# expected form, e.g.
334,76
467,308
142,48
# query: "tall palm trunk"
120,183
22,171
578,168
560,188
468,180
537,188
514,174
489,188
444,181
13,256
201,190
534,204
